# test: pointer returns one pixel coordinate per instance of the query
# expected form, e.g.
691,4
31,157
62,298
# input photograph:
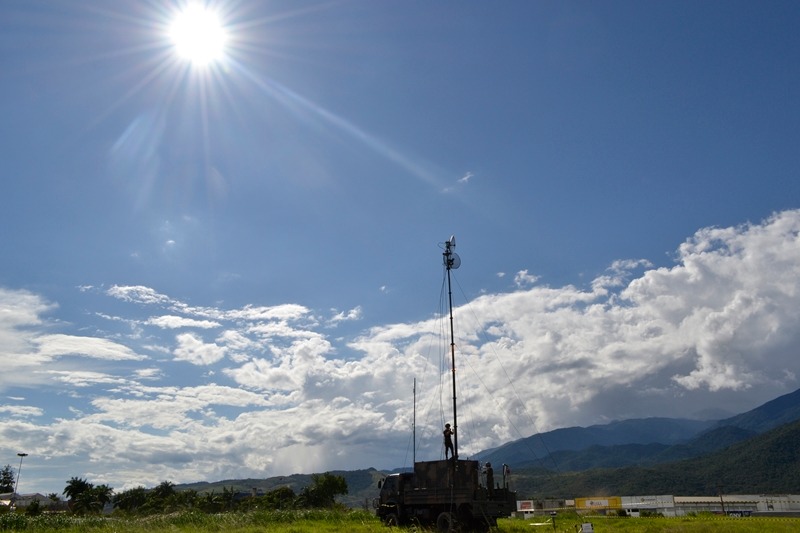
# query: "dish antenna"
451,259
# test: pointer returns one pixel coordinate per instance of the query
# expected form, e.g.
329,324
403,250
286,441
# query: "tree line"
84,497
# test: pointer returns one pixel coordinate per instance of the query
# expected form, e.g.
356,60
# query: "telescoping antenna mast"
452,261
414,424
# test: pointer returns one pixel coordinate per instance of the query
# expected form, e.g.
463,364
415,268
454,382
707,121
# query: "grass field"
699,524
364,522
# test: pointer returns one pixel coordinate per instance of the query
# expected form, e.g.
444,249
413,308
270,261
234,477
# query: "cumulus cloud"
175,322
20,317
83,378
61,345
191,348
638,340
522,278
345,316
21,410
137,294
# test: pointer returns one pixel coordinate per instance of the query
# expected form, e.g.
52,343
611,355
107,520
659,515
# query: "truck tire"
445,523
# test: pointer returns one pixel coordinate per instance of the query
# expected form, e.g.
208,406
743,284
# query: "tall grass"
315,521
296,521
569,522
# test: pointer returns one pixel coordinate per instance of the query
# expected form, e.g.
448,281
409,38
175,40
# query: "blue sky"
234,269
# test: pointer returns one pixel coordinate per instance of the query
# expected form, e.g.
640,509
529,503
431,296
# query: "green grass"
364,522
197,522
568,522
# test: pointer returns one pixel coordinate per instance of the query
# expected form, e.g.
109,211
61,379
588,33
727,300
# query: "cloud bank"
163,390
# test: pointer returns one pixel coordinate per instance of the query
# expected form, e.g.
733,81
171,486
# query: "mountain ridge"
751,452
658,439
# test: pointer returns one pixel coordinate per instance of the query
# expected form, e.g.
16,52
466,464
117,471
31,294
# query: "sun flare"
198,35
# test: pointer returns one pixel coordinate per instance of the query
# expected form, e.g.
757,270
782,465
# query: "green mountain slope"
767,463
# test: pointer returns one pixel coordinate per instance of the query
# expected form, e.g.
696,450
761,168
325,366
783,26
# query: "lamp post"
19,471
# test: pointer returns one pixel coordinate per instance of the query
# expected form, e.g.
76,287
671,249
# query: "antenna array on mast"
452,261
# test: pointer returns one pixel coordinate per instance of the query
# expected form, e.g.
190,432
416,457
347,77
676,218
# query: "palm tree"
164,490
131,499
103,494
210,502
75,487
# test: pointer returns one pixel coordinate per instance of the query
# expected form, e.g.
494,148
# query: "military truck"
447,494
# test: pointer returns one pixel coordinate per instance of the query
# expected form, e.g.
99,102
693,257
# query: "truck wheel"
391,520
446,523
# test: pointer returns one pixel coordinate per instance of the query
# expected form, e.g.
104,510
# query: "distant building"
23,500
637,506
598,504
528,508
668,505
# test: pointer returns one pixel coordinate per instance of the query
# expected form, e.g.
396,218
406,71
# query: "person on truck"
490,479
448,441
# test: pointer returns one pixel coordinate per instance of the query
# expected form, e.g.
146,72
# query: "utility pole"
19,471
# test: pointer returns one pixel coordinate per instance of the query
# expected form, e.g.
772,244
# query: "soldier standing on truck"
490,479
448,441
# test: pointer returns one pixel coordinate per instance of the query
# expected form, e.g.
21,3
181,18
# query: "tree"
228,497
6,479
34,508
209,502
161,498
164,490
85,498
86,503
103,494
280,498
75,487
323,490
130,500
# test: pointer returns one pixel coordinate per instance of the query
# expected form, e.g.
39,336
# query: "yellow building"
598,504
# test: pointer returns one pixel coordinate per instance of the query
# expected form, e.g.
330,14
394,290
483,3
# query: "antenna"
414,424
451,261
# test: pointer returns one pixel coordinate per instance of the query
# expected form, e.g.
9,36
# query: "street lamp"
21,457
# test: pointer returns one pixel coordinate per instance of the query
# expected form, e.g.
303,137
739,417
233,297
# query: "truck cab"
390,501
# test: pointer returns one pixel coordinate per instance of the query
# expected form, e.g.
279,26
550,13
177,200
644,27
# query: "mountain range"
754,452
643,442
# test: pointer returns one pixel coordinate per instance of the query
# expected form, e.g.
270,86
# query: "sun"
198,35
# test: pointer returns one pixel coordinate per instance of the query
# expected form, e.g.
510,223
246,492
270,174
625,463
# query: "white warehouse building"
669,505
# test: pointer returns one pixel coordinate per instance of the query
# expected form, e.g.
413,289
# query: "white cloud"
191,348
83,378
240,347
637,341
175,322
148,373
61,345
462,181
22,308
287,312
20,318
137,294
522,278
21,410
345,316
